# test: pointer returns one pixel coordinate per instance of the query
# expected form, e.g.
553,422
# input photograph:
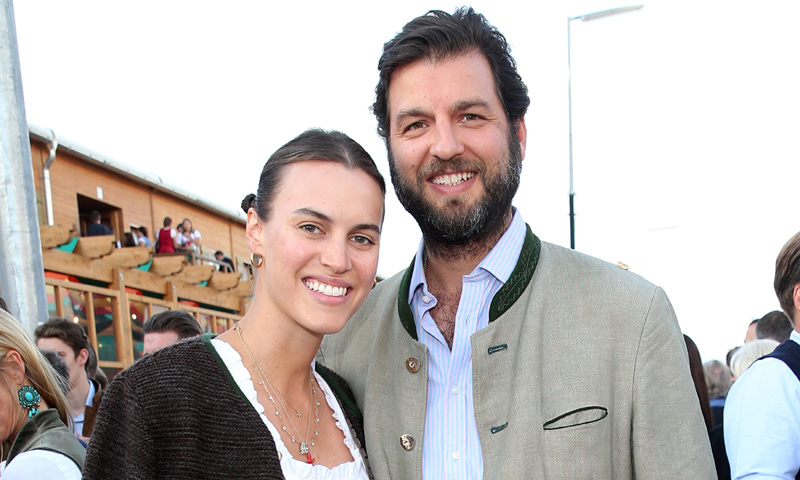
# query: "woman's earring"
29,398
256,260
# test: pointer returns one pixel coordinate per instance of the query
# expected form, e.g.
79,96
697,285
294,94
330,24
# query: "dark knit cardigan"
178,414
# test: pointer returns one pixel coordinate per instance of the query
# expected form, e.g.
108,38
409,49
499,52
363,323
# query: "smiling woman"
254,396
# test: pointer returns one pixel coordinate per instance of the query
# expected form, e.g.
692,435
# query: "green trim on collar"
403,309
512,290
508,294
347,401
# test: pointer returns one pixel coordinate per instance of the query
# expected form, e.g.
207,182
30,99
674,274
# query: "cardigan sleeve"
120,445
668,433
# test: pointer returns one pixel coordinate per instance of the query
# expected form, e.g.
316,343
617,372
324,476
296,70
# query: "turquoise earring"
29,398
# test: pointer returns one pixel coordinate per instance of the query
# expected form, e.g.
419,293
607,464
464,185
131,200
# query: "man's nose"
446,143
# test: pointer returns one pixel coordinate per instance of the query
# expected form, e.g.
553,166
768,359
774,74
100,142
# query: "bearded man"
496,355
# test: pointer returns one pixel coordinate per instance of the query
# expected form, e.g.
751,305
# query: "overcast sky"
686,118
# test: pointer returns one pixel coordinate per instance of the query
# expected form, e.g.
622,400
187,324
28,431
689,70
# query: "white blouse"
293,468
40,464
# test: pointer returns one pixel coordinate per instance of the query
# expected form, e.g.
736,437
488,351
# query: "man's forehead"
53,343
465,78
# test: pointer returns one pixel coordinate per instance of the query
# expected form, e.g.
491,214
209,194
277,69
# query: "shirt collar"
500,261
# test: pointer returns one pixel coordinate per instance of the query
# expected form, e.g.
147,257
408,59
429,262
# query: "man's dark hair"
219,252
787,276
178,321
3,305
68,332
59,366
438,36
775,325
96,216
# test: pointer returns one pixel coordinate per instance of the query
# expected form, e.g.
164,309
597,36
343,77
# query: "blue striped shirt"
451,448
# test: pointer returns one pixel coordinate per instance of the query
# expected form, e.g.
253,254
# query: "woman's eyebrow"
321,216
313,213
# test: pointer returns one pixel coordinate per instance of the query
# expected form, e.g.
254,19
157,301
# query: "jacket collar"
509,293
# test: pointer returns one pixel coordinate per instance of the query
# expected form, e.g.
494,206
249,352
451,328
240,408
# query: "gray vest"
46,431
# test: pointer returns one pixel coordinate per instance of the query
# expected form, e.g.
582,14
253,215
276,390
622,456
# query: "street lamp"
585,18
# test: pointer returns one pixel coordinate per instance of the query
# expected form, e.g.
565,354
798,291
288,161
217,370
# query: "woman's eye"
361,240
310,228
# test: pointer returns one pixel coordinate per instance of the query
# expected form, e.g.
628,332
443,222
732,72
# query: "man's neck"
77,396
445,265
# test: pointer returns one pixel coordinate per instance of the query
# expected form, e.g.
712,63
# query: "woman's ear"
254,230
16,368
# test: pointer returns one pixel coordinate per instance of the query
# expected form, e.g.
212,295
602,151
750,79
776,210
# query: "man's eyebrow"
411,112
467,104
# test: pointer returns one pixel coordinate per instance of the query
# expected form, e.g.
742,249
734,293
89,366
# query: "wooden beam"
95,247
102,271
129,256
166,266
55,235
207,296
223,281
243,289
194,274
78,265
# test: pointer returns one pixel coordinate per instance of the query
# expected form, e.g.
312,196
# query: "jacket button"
412,364
407,441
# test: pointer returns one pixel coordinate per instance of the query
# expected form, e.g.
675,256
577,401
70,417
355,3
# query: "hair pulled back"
313,144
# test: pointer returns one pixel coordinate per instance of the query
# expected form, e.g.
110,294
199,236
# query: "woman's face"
11,416
320,244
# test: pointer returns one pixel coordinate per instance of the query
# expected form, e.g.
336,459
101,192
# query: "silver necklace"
264,381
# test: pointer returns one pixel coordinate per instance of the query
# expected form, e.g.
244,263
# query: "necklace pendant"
304,449
299,417
310,460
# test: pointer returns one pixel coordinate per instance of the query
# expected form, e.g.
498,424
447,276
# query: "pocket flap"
573,418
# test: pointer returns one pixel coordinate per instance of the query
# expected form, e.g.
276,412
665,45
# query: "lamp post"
585,18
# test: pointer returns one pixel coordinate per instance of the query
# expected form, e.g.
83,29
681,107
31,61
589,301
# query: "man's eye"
414,126
471,117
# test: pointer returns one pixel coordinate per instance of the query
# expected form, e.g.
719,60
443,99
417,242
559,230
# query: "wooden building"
110,290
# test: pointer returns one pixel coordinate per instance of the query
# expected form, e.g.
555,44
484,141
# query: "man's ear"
254,230
16,368
796,301
83,357
522,135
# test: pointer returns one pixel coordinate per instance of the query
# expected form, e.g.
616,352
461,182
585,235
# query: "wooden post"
122,320
171,295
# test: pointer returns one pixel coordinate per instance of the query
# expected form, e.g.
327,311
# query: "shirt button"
426,299
455,389
412,364
456,455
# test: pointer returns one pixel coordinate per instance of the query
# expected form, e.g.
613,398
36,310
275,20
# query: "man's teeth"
453,178
325,289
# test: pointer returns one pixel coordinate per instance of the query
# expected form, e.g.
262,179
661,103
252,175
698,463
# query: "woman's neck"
283,354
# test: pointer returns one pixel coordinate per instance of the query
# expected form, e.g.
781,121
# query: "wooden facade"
112,291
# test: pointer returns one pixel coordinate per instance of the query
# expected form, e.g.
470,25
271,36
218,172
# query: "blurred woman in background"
37,441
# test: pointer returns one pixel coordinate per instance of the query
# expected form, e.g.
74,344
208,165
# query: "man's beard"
458,223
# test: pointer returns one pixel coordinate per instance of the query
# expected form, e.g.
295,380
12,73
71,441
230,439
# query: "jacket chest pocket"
578,444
